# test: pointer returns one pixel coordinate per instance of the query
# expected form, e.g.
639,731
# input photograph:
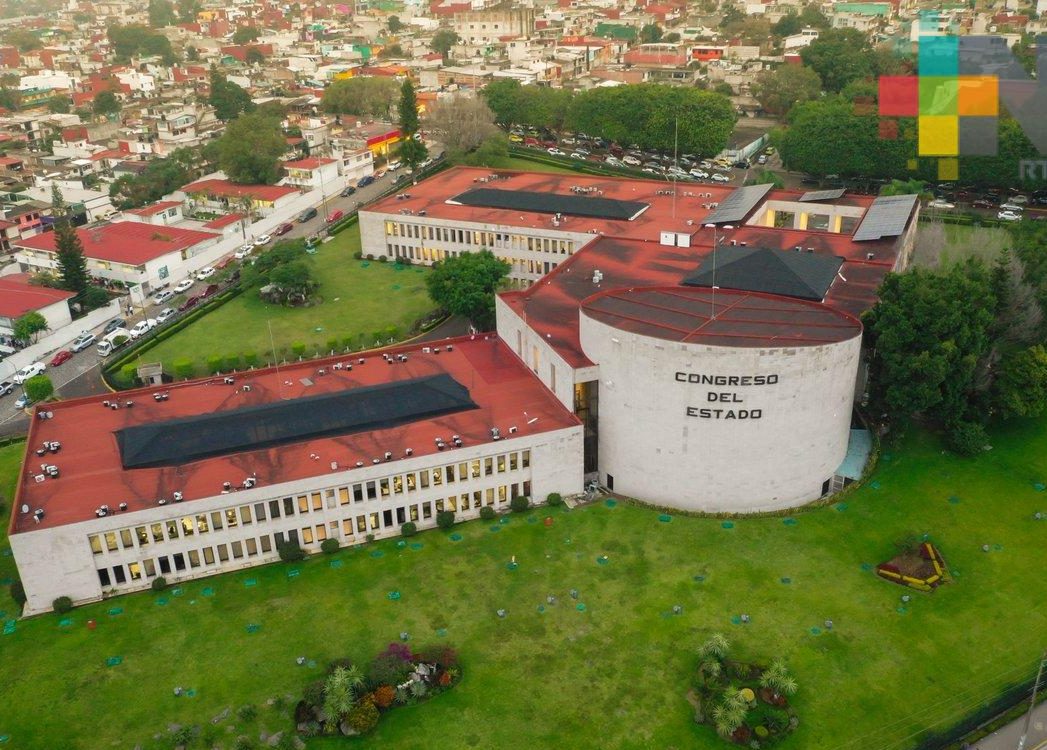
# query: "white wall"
658,452
537,354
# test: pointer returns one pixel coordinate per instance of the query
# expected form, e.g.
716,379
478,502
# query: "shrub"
369,537
290,552
62,604
332,344
329,546
17,591
347,342
298,347
244,742
183,367
358,255
519,504
392,332
313,694
382,259
441,654
248,712
370,256
250,359
966,438
445,519
409,529
232,362
363,717
554,498
129,372
487,513
39,388
303,709
214,364
158,584
384,696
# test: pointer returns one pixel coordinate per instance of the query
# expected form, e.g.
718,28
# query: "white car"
1012,207
576,155
632,161
1021,200
244,251
183,285
23,401
82,341
262,240
721,177
555,152
205,273
939,203
1002,216
162,297
142,327
29,371
165,315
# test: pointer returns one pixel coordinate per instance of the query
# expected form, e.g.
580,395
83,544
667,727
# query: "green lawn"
526,165
359,299
939,243
620,669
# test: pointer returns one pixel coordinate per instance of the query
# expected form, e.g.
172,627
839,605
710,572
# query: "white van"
113,341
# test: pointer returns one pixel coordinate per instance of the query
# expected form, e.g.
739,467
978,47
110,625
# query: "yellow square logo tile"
939,135
948,170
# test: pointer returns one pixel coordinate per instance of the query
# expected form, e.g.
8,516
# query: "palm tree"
340,693
777,679
730,712
710,669
716,647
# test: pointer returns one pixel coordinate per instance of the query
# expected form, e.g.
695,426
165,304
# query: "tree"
250,149
39,388
187,10
72,266
24,39
161,14
461,123
59,104
160,177
29,326
777,679
442,42
766,177
492,152
716,646
504,97
779,90
128,41
394,24
650,33
392,50
106,103
363,717
412,152
730,712
254,56
408,109
361,95
10,99
465,285
839,56
295,279
1020,387
228,99
340,693
671,38
245,34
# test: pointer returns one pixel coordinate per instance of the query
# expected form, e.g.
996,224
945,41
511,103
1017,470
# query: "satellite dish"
25,508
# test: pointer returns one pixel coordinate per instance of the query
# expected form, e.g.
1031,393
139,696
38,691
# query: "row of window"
350,527
433,254
480,238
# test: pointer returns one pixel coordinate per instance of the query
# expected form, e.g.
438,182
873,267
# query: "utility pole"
1032,703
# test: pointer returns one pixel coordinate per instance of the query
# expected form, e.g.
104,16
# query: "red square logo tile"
899,96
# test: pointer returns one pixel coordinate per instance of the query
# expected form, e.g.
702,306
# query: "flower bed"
922,568
351,700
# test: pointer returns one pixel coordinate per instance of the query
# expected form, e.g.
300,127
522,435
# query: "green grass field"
358,301
939,243
615,675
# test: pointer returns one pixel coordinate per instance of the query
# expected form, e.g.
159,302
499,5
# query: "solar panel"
376,407
738,204
551,203
822,195
886,217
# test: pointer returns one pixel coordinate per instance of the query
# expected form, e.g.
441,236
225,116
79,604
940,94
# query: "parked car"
142,327
365,181
761,159
23,401
283,229
62,355
262,240
244,251
335,216
553,151
161,297
210,291
982,203
347,191
742,164
82,341
1011,206
306,215
721,177
6,387
393,166
181,286
631,160
190,302
379,174
941,203
115,323
29,371
1020,200
515,138
164,315
699,174
205,273
576,155
1009,216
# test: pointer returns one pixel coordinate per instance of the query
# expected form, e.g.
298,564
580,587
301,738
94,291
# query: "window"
288,506
427,510
514,461
343,495
412,482
252,547
150,568
527,488
414,512
245,514
449,473
230,518
526,462
135,570
317,500
96,544
110,541
385,487
372,492
452,502
187,526
329,494
387,518
476,499
438,477
501,464
238,550
201,523
216,520
143,536
223,553
307,535
303,503
179,561
259,512
292,536
165,566
488,467
267,545
423,478
463,471
373,521
194,558
321,532
439,506
358,493
103,577
208,556
489,496
118,573
398,485
475,467
274,509
347,527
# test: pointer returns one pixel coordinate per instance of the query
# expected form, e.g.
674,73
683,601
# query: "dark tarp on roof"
754,269
551,203
375,407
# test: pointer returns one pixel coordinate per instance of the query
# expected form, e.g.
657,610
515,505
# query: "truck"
113,341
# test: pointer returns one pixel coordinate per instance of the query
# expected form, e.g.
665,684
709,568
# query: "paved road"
1007,737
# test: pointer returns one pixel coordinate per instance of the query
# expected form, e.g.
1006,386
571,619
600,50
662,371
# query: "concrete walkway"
1006,738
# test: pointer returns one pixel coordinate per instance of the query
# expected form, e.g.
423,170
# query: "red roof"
227,189
125,241
504,390
223,221
155,208
309,163
9,161
18,296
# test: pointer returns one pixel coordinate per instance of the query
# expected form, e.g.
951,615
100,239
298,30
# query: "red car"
335,216
283,228
190,302
60,357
